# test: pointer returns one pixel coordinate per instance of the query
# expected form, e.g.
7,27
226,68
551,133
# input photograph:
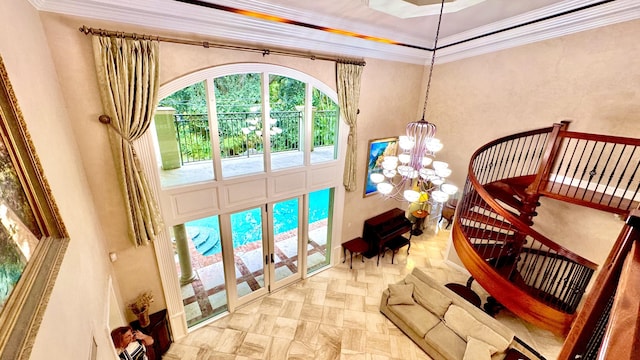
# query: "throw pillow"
400,294
465,325
429,297
477,350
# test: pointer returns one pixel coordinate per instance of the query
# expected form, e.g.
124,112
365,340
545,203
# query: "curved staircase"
531,275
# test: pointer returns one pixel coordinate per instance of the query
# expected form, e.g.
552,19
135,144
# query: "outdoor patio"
200,171
206,295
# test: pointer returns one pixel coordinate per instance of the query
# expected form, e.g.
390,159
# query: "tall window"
247,157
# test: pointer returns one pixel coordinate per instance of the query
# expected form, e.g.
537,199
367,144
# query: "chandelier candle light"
408,175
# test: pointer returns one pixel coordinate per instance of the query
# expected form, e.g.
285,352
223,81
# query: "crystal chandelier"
413,175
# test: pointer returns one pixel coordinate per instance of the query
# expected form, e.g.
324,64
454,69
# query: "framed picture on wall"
378,149
33,238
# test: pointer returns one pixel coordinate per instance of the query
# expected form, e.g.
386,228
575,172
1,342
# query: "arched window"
233,122
247,163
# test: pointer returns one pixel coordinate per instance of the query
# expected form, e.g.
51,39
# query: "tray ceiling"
396,30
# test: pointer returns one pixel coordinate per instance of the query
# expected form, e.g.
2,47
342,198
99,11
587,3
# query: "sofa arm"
384,299
485,319
477,313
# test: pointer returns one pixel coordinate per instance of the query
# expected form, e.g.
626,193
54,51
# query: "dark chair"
448,210
395,244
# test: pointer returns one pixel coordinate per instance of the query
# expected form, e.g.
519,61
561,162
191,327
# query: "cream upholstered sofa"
442,323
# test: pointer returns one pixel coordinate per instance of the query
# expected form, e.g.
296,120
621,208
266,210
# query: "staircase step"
493,251
482,208
206,247
488,211
207,242
503,193
485,222
193,232
520,182
519,190
487,234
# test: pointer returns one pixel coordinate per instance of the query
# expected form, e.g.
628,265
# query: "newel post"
549,158
530,201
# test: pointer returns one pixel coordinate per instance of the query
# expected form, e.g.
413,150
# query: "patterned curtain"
348,82
127,72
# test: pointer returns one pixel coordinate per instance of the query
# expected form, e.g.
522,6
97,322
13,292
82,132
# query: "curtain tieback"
105,119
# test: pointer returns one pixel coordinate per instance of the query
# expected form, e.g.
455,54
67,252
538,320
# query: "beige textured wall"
592,78
589,77
76,307
383,114
389,99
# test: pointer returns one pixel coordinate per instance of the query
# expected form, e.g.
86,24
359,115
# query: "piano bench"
357,245
395,244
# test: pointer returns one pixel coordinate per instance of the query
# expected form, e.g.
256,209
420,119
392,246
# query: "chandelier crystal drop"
414,175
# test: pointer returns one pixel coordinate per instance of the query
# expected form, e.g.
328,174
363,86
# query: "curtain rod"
207,44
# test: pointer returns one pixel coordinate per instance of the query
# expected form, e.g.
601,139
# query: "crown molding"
602,15
231,27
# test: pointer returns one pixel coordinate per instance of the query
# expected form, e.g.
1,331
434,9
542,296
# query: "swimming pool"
246,225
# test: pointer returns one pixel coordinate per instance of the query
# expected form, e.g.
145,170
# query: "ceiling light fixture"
413,174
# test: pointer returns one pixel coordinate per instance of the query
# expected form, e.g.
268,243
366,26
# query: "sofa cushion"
428,296
419,319
465,325
477,350
400,294
446,342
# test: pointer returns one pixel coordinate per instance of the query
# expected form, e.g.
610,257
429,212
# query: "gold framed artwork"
33,238
378,148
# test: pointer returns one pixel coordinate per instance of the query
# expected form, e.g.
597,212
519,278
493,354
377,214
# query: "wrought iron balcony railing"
241,133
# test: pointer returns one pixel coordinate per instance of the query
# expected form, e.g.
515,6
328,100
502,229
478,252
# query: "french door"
265,243
284,243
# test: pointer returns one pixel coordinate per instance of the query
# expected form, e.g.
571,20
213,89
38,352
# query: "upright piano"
385,228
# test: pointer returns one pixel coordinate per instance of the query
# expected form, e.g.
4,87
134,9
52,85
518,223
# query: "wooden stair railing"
507,293
550,279
608,325
544,162
622,339
597,171
528,273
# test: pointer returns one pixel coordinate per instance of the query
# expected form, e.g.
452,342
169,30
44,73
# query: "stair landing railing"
598,171
546,271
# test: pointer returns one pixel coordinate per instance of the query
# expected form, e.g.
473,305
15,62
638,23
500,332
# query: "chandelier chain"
433,60
413,175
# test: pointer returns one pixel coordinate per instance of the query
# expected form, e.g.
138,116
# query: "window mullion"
216,156
266,114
